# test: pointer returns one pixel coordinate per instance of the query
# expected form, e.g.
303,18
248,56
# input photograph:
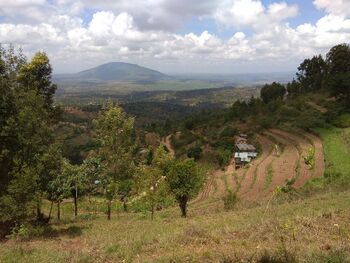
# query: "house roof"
245,147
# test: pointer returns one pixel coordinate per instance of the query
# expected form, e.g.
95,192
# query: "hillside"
117,72
314,230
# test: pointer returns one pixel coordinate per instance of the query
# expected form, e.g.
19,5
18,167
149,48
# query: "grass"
336,144
255,176
320,228
269,176
239,180
224,177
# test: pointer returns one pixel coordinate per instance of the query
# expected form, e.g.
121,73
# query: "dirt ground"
271,169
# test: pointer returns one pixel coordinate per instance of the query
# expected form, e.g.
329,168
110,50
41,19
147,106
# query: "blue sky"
199,36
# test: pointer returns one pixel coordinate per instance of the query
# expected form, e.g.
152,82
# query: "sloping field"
311,230
282,160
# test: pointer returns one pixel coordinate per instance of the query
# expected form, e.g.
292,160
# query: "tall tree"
59,187
185,180
37,75
77,182
338,59
272,92
25,134
312,73
115,132
151,179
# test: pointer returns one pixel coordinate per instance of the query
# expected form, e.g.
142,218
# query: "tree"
77,183
184,180
271,92
25,135
50,166
92,170
338,60
37,75
312,73
153,178
293,88
116,134
59,188
151,185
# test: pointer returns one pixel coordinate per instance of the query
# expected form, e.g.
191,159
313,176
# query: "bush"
24,232
223,157
195,152
343,121
230,201
229,132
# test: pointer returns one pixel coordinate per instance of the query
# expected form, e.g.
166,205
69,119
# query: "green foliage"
338,59
293,88
223,157
269,176
230,201
27,116
229,132
309,159
115,132
312,74
271,92
195,152
185,180
336,148
342,121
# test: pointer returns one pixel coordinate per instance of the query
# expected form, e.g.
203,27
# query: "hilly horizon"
117,71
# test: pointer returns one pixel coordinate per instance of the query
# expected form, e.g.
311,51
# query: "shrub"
195,152
228,132
223,157
230,200
24,232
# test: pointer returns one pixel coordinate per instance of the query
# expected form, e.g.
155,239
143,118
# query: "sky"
176,36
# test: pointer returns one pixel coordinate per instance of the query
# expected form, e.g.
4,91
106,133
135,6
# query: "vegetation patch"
309,159
269,176
336,149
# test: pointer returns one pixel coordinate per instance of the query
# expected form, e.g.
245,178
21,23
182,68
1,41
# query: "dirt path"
251,175
303,145
230,171
261,172
206,191
219,183
285,167
167,143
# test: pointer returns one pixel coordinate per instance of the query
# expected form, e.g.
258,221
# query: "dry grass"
309,230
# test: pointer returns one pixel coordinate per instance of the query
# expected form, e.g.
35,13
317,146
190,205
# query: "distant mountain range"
116,72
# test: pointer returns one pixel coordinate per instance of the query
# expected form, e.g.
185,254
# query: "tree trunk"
125,207
58,210
109,208
38,211
76,203
50,210
183,205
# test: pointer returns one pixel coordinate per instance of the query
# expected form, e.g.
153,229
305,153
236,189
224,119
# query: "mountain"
116,71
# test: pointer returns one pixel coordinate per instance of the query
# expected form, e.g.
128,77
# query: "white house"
244,154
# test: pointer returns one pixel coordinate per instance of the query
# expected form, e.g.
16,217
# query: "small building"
244,153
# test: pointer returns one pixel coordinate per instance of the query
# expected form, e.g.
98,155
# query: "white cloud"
252,13
339,7
20,3
146,32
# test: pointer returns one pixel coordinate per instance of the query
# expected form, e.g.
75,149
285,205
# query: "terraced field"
282,160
